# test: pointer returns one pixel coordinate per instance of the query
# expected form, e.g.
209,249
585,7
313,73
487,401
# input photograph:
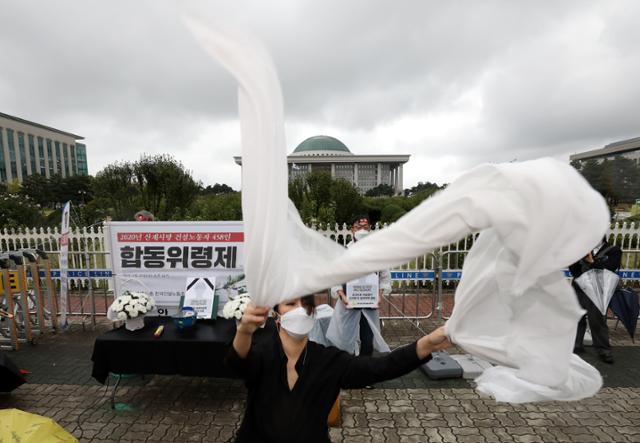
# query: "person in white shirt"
352,326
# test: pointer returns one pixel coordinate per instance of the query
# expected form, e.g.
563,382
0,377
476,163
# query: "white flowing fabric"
513,306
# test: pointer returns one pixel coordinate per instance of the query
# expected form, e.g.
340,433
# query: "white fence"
431,275
89,247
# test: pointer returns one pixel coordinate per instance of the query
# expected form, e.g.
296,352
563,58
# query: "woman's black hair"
308,302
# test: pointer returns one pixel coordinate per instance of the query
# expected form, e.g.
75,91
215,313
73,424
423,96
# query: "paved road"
410,409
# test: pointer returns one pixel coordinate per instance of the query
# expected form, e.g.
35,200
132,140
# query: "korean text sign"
156,257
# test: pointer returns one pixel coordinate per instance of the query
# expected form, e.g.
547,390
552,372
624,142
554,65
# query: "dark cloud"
454,83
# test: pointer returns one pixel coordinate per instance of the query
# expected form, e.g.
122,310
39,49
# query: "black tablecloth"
196,352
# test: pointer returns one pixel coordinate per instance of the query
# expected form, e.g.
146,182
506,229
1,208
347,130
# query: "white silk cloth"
513,306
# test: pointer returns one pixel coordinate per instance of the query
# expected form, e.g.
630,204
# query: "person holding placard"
292,382
603,256
355,318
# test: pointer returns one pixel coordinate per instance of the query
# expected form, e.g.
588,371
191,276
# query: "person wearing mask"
350,326
603,256
293,382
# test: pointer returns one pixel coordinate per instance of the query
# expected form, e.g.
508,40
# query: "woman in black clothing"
293,382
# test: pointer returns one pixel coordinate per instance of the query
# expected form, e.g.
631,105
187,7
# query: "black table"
198,352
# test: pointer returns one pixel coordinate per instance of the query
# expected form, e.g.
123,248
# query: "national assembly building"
328,154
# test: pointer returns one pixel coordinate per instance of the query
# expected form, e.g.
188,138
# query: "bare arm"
252,319
435,341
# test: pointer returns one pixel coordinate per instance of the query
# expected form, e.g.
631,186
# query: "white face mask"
297,323
360,234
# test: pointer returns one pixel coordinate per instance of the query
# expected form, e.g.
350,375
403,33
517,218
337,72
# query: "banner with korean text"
157,258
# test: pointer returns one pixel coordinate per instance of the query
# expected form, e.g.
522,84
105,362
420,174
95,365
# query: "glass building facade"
51,159
3,171
32,155
41,159
13,161
58,165
23,155
81,158
28,148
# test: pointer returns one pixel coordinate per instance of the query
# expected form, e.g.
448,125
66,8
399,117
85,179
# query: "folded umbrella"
10,377
626,306
599,285
17,425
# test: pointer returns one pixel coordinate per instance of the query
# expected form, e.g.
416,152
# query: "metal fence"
422,288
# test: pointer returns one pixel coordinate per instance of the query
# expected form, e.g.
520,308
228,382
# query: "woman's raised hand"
253,318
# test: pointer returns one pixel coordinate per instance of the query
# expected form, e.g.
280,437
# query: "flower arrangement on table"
131,308
235,307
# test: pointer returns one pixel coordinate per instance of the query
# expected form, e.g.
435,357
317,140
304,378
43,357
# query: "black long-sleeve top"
276,414
607,257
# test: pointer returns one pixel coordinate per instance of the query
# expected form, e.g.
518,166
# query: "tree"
319,196
37,187
321,199
115,190
391,213
380,190
618,180
226,206
297,190
217,189
347,200
165,187
421,186
77,188
19,211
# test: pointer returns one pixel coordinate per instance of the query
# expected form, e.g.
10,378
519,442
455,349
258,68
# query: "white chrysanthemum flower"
121,316
238,315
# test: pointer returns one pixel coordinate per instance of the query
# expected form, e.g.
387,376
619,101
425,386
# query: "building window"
23,155
322,167
81,155
58,158
385,177
67,159
299,170
74,164
367,176
12,154
50,154
33,159
344,171
43,169
3,166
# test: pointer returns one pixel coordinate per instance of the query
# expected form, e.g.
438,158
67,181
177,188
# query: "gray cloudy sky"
453,83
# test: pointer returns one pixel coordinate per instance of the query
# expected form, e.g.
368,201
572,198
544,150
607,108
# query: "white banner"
157,257
64,264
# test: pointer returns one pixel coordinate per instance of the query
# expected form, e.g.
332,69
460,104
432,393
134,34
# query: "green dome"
322,143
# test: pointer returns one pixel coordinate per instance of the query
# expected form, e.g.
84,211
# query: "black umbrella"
626,306
10,377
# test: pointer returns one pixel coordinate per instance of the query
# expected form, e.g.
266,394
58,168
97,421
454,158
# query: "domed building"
325,153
